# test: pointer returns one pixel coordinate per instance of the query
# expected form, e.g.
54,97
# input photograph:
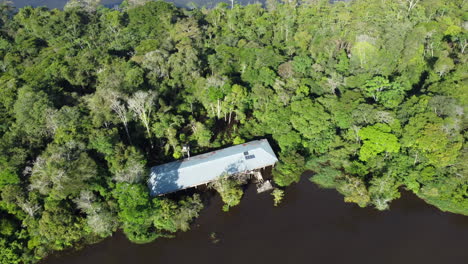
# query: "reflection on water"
310,226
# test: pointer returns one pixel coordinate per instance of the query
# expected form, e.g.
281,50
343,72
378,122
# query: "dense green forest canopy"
370,95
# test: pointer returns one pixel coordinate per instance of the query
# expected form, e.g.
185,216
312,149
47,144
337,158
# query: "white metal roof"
204,168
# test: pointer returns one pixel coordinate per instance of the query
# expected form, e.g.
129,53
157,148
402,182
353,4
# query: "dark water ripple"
310,226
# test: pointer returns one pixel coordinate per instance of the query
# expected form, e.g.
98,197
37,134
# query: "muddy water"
310,226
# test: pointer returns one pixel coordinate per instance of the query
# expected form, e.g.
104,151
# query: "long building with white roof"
204,168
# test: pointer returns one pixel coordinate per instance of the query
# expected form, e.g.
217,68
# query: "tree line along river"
311,225
111,3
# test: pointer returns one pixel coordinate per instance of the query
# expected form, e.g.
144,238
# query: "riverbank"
92,97
114,3
311,225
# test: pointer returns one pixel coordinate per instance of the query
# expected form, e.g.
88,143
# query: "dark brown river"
310,226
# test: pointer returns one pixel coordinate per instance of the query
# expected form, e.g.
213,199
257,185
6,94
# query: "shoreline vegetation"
369,95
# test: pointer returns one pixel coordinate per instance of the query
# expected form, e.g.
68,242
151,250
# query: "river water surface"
312,225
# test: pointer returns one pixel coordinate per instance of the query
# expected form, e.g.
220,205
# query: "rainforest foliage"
370,95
